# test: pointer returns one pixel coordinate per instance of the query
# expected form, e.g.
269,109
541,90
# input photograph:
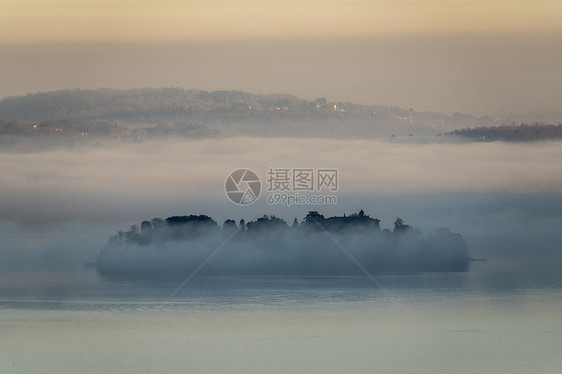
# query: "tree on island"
400,227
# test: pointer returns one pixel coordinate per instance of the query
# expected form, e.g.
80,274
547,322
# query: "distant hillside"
513,133
20,136
240,113
143,105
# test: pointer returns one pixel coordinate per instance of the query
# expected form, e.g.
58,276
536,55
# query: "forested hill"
240,113
135,105
514,133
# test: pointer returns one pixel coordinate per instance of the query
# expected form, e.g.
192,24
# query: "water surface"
471,322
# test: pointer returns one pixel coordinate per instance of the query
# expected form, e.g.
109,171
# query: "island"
177,246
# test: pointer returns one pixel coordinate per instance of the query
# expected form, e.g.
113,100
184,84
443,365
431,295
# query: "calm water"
472,322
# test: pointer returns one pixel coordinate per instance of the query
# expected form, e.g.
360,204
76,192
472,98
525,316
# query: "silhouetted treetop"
191,219
266,222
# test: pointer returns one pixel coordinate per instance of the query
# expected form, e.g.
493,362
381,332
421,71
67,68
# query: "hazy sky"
142,20
482,57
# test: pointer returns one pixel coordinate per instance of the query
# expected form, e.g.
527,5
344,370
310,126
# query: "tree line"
513,133
193,227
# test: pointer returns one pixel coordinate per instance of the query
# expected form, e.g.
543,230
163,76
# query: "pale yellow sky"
476,56
161,20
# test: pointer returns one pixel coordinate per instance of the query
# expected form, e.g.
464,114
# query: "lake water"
475,322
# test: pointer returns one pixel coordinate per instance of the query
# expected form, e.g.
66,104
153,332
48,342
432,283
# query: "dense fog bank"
58,208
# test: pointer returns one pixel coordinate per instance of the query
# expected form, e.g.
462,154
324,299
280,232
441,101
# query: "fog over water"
59,207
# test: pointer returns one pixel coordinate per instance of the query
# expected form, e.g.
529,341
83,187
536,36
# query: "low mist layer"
58,208
101,184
